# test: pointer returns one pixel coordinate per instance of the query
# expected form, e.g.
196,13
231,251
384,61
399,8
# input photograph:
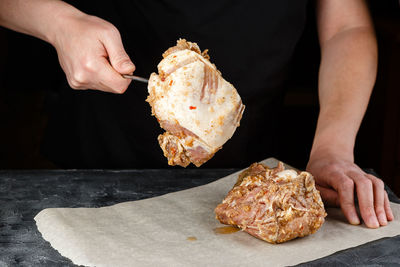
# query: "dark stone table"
24,193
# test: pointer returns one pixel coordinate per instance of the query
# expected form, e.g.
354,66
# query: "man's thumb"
122,63
118,58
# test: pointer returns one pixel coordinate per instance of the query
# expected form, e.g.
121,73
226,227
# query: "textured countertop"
24,193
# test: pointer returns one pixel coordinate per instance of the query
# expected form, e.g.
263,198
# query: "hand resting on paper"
338,180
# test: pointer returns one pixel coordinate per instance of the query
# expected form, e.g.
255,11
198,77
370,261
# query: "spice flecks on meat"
185,94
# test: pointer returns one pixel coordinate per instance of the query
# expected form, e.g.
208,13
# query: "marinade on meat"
275,205
197,108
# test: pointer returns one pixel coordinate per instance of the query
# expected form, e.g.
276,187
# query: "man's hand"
89,49
339,179
91,54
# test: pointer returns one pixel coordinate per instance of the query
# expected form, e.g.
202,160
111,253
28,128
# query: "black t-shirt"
251,43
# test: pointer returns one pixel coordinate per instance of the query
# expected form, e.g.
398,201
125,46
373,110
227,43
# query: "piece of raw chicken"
196,107
275,205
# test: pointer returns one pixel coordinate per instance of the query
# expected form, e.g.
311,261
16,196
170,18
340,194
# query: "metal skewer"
136,78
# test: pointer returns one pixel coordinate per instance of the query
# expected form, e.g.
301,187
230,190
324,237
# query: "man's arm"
89,49
346,78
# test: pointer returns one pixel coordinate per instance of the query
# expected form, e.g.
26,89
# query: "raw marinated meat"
275,205
196,107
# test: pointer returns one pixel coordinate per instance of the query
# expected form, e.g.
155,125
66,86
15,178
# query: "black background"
29,70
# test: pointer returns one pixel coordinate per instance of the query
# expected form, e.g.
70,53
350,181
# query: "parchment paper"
155,232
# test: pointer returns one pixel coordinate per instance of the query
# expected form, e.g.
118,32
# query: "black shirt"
251,43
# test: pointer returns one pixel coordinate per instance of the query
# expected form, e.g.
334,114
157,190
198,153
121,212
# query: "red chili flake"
174,56
170,83
192,107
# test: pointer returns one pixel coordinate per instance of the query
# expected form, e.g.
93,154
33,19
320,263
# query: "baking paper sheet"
177,229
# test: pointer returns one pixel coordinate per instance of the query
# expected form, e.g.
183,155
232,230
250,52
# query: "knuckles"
74,84
331,169
79,78
108,30
111,30
102,25
346,183
89,65
365,182
378,183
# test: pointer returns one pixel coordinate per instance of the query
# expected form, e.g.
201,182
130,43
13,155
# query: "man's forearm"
347,76
38,18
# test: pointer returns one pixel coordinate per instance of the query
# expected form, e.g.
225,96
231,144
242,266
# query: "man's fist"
92,55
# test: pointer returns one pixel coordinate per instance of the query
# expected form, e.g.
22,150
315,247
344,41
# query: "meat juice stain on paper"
223,230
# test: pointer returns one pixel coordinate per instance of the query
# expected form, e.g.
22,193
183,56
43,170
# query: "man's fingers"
329,196
119,59
110,80
346,178
365,195
388,209
345,188
379,199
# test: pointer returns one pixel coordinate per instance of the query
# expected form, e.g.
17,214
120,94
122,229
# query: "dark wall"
29,70
380,132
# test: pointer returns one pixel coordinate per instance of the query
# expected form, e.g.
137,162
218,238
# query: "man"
251,43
